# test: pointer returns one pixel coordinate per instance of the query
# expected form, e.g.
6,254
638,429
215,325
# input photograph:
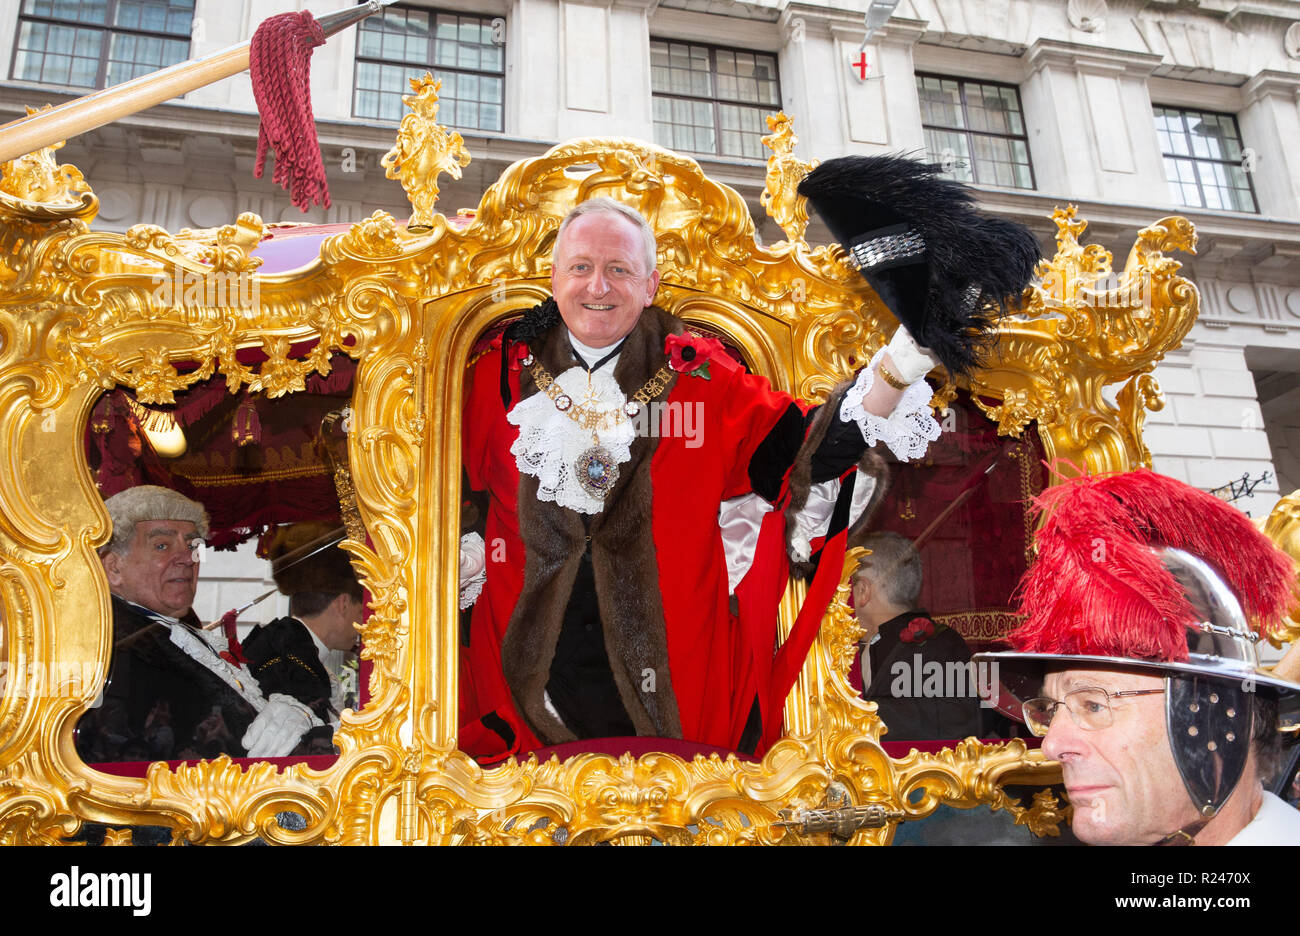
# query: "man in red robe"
637,478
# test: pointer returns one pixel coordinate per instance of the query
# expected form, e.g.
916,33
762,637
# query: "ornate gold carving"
83,310
423,151
30,811
234,243
840,629
37,178
1282,526
376,237
785,171
1105,329
1044,816
973,774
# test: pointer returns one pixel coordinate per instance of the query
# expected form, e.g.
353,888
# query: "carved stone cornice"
1054,53
850,24
1268,84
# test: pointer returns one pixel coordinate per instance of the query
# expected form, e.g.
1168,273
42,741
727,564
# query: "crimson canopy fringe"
253,462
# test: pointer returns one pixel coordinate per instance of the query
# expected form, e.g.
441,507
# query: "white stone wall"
1211,430
231,579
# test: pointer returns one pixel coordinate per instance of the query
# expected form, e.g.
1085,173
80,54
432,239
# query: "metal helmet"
1209,699
1140,571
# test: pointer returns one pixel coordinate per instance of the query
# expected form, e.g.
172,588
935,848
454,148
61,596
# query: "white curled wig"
149,502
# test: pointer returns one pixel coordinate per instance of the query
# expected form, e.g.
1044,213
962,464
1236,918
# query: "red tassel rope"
234,652
280,65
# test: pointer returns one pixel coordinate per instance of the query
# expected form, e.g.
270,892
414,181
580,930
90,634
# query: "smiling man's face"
158,572
599,279
1122,780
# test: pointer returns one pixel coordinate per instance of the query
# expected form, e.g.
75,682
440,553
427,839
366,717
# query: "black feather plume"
975,264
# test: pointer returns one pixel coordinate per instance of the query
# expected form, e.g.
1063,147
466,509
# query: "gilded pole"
45,128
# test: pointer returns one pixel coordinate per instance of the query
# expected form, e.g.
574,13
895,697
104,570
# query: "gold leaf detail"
423,151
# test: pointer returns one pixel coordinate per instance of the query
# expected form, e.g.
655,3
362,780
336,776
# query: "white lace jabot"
550,443
202,647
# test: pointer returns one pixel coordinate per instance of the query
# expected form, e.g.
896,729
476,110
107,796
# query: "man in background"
903,646
311,654
174,690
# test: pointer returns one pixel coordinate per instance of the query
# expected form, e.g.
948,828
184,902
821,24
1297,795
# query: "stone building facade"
1132,109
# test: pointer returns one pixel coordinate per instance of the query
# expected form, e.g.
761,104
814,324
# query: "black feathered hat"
303,559
945,270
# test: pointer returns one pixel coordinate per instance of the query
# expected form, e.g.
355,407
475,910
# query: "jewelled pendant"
597,471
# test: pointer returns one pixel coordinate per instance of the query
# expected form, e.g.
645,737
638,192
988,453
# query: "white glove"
911,361
276,730
473,568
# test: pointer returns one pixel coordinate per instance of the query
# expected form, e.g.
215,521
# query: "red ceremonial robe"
713,440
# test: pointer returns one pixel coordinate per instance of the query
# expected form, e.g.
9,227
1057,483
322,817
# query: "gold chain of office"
589,417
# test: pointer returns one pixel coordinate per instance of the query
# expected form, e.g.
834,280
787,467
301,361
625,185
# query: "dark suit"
156,698
911,710
284,658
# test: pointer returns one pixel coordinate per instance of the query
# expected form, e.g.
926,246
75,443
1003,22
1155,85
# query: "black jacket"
284,658
897,674
159,703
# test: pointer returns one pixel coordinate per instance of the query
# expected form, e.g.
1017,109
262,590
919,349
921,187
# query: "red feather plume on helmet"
1096,589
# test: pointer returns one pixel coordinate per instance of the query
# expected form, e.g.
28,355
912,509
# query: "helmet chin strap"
1187,834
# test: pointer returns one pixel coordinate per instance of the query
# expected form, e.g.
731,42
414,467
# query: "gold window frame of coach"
79,314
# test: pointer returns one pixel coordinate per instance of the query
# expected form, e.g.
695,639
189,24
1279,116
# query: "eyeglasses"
1090,708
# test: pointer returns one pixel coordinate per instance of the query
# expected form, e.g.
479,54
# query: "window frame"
714,102
970,133
1195,160
430,66
106,50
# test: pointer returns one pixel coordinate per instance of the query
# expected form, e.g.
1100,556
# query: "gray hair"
894,566
1265,739
149,502
610,206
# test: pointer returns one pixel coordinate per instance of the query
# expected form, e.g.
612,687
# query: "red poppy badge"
689,354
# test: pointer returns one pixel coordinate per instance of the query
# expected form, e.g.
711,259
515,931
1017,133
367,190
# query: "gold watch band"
888,376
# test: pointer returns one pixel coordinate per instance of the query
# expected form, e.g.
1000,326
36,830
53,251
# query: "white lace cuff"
473,568
910,428
815,518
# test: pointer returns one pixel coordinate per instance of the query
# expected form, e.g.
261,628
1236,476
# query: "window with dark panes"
712,100
98,43
976,129
465,52
1205,162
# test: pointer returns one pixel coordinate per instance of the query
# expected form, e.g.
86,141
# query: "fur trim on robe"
871,463
622,551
